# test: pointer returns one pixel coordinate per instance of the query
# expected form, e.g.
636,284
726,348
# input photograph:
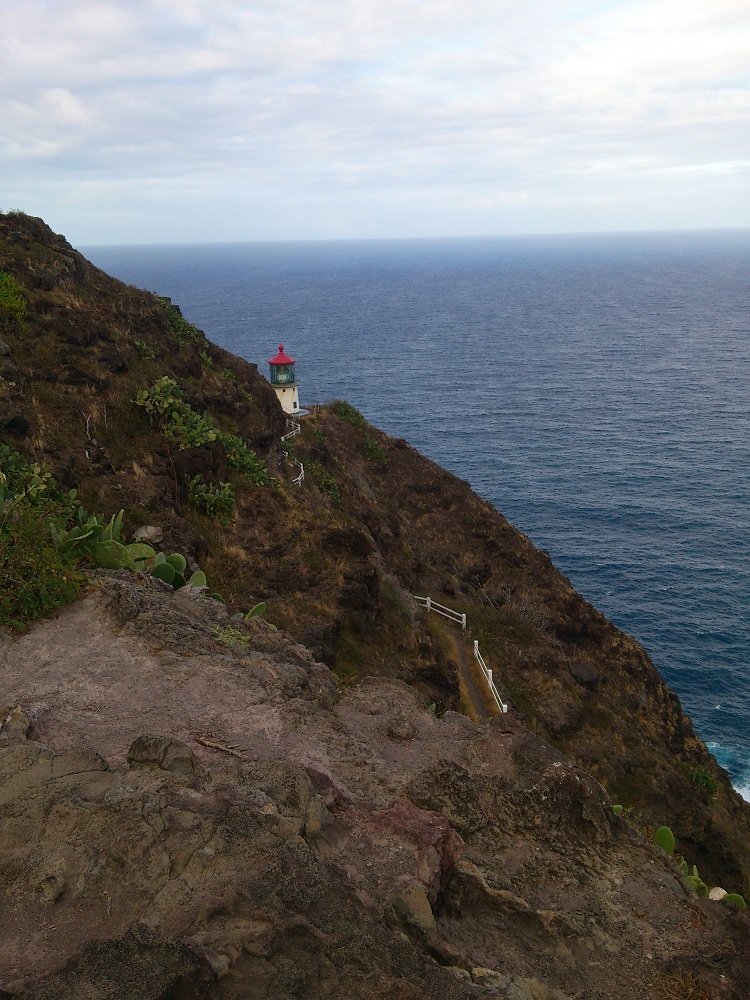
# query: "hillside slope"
337,558
185,818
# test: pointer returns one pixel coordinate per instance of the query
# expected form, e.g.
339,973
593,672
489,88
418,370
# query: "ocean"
594,388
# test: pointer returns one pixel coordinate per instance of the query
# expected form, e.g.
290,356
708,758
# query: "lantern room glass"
282,374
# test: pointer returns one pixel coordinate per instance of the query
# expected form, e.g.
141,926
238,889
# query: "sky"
159,121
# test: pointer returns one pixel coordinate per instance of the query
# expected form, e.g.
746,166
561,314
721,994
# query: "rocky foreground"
193,804
189,809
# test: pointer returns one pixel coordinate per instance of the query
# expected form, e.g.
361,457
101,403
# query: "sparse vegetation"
231,636
216,500
144,350
374,452
165,402
12,299
37,575
324,481
704,779
348,413
177,326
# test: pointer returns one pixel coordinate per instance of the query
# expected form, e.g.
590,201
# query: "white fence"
456,616
296,429
440,609
488,677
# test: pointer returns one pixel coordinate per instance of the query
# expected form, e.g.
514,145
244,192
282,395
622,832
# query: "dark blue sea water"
594,388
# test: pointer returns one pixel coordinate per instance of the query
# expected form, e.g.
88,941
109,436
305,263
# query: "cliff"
196,804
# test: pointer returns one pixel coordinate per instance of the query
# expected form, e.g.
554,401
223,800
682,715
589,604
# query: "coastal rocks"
584,673
567,801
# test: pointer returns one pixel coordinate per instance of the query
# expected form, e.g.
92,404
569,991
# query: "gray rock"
149,534
4,349
410,908
14,724
585,673
166,754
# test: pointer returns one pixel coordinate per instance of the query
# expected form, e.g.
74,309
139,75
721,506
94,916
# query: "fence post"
463,621
489,677
429,603
476,649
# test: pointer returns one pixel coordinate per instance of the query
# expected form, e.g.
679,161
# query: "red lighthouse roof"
281,358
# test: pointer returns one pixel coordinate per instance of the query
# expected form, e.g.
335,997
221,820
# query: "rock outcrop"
182,819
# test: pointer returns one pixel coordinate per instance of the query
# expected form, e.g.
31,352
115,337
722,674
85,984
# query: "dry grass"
677,986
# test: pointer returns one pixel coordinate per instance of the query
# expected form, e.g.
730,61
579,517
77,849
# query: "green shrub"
36,576
704,779
144,349
164,402
177,326
325,481
374,452
244,459
348,413
12,299
213,499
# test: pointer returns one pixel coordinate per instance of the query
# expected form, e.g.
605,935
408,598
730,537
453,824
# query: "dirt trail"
476,692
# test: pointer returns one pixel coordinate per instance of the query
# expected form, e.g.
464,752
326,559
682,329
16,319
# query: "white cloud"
426,112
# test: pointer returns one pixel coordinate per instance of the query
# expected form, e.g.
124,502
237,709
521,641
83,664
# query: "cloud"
403,103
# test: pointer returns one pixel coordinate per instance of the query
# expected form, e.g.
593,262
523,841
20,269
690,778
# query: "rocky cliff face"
194,804
182,819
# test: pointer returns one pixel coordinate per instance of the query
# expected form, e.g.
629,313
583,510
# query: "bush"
164,401
213,499
374,452
244,459
177,326
348,413
325,481
12,299
36,576
704,779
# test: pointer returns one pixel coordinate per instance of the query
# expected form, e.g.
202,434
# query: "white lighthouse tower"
284,382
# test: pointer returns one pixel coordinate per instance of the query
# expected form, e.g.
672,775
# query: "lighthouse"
284,381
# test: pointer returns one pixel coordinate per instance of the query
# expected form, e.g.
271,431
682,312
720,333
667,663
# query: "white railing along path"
488,677
457,616
440,609
296,428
